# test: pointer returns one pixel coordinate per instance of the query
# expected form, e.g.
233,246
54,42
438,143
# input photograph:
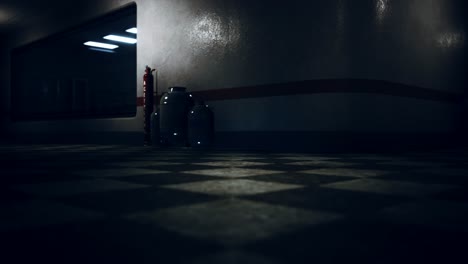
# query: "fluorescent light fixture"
121,39
132,30
102,50
100,45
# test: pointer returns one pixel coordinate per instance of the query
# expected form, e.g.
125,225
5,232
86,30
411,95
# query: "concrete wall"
210,44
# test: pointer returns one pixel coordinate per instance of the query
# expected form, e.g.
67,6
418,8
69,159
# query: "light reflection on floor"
92,203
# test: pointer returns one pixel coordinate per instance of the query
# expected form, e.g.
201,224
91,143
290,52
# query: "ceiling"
91,30
19,14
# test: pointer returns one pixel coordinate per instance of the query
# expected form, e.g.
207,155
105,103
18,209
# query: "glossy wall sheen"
214,44
211,44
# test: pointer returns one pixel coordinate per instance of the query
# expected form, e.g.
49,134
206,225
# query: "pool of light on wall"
450,39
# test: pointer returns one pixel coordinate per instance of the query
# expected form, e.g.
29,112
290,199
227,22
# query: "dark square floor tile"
349,241
180,159
430,177
430,213
305,165
160,164
168,178
278,167
29,214
453,195
374,165
32,175
233,256
109,241
131,201
184,165
333,200
322,163
8,195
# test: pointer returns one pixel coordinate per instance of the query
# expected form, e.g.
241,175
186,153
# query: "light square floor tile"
232,172
445,215
233,187
345,172
75,187
232,163
118,172
390,187
233,221
326,163
38,213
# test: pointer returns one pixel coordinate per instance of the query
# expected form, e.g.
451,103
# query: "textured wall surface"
210,44
205,44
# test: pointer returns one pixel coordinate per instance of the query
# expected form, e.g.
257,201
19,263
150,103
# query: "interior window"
86,72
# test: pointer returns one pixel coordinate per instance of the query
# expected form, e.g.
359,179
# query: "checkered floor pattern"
129,204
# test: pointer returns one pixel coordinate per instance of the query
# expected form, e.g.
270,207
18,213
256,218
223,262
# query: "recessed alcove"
63,76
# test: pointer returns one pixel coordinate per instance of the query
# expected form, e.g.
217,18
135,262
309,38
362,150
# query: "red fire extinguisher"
148,102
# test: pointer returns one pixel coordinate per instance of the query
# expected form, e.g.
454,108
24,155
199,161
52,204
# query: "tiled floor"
129,204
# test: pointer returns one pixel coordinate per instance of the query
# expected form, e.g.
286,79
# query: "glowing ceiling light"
100,45
132,30
102,50
121,39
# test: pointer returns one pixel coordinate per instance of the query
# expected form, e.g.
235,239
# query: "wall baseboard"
304,141
299,141
88,137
